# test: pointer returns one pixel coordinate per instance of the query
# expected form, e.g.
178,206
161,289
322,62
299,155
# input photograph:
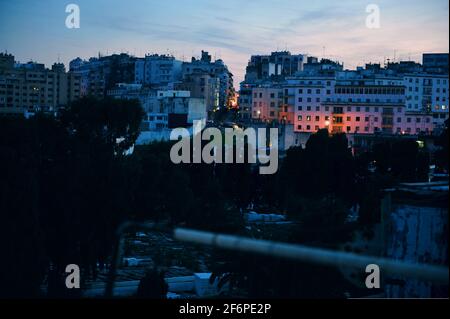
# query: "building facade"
218,75
399,98
31,87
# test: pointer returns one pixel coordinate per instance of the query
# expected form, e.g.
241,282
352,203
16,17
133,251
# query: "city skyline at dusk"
231,31
219,159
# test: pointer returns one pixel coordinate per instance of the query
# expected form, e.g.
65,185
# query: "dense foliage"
67,183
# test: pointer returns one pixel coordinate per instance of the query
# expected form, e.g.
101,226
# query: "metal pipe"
438,274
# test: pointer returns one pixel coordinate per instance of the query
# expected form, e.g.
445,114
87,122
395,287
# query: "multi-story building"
428,93
277,64
279,70
356,105
436,63
163,108
202,85
147,96
31,87
245,101
98,75
267,103
200,68
157,70
399,98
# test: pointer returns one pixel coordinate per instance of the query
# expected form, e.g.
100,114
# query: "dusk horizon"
231,31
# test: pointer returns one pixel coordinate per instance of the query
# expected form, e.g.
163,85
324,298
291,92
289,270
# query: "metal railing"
432,273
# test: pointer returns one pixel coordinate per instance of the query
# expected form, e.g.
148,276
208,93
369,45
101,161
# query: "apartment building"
267,102
202,85
436,63
428,93
31,87
98,75
357,106
215,69
245,101
157,70
276,64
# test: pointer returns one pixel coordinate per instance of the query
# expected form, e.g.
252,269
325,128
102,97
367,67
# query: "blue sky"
232,30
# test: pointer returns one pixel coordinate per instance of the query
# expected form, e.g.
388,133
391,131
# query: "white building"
157,70
428,93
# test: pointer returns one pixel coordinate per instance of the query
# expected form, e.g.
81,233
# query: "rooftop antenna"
59,58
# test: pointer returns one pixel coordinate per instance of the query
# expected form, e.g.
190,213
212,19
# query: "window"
337,119
300,91
299,127
308,127
299,107
317,118
317,127
358,109
367,109
349,118
375,119
308,118
338,110
300,99
349,128
349,108
308,108
300,118
357,119
408,120
399,119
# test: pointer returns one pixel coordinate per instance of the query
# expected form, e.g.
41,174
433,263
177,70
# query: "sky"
229,29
